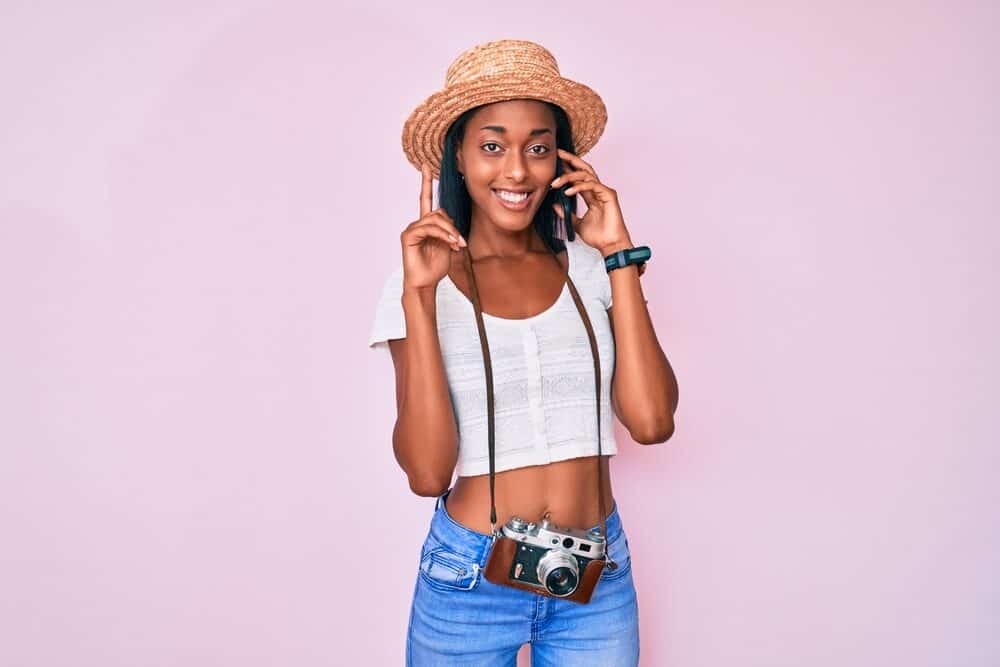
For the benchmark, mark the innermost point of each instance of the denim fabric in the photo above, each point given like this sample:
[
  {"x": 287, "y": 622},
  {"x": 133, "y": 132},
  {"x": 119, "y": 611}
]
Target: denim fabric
[{"x": 458, "y": 617}]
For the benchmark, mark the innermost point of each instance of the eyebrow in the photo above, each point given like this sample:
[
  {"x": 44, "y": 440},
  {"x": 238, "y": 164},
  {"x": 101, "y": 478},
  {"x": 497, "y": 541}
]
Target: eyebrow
[{"x": 503, "y": 130}]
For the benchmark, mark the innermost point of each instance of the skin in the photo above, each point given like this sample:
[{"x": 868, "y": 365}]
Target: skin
[{"x": 517, "y": 277}]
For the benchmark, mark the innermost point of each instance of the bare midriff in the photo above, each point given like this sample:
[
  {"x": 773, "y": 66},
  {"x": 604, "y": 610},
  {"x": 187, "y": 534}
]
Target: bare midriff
[{"x": 566, "y": 489}]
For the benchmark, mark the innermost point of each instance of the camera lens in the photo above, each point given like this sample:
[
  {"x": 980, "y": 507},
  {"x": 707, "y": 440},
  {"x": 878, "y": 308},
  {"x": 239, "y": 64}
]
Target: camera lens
[
  {"x": 561, "y": 581},
  {"x": 559, "y": 573}
]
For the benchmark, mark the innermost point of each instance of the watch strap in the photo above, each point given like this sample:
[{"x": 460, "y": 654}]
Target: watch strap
[{"x": 626, "y": 256}]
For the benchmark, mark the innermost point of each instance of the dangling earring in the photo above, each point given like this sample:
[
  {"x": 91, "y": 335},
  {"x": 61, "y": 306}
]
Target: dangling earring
[{"x": 461, "y": 175}]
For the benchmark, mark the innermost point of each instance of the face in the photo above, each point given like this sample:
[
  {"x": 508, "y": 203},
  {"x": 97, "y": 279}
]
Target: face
[{"x": 508, "y": 158}]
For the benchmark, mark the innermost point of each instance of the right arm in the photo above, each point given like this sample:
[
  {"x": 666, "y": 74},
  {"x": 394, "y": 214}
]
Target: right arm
[{"x": 425, "y": 438}]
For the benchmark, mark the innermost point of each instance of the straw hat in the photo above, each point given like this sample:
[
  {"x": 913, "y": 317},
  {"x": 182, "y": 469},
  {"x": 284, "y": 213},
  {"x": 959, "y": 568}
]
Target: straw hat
[{"x": 492, "y": 72}]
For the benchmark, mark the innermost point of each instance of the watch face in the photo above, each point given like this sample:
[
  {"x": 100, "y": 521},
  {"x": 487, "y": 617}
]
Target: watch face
[{"x": 637, "y": 256}]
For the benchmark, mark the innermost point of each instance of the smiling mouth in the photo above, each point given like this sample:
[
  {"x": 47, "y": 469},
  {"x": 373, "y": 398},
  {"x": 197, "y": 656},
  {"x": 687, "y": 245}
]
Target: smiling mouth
[{"x": 515, "y": 201}]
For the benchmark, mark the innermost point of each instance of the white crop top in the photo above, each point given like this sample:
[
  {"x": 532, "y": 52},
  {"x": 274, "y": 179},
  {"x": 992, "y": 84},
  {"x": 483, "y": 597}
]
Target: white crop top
[{"x": 543, "y": 369}]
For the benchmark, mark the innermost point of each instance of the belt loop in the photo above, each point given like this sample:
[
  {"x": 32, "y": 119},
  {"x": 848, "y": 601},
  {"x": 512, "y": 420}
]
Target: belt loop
[{"x": 440, "y": 499}]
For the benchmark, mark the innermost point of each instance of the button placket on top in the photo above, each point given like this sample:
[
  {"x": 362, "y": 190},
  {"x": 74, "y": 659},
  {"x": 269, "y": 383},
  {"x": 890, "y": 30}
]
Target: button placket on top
[{"x": 533, "y": 367}]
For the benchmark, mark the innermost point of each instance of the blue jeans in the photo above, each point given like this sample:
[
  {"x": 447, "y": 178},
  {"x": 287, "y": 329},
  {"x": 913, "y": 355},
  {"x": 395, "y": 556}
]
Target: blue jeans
[{"x": 458, "y": 617}]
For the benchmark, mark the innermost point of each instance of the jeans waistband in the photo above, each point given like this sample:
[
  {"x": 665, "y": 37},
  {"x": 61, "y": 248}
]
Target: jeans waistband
[{"x": 474, "y": 544}]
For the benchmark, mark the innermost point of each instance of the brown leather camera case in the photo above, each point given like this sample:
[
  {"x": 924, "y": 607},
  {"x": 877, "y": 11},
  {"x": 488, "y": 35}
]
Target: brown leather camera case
[{"x": 501, "y": 559}]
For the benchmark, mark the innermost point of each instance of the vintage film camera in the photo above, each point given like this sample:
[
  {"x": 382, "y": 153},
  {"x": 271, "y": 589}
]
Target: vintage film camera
[{"x": 551, "y": 558}]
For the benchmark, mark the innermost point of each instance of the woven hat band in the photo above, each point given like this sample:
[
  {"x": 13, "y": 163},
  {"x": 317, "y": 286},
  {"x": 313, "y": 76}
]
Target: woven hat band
[{"x": 518, "y": 58}]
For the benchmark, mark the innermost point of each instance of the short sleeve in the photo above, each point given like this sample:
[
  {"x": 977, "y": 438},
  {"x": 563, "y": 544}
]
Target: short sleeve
[
  {"x": 605, "y": 279},
  {"x": 595, "y": 271},
  {"x": 390, "y": 321}
]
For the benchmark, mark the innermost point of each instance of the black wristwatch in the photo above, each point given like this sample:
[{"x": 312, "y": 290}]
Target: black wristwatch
[{"x": 617, "y": 260}]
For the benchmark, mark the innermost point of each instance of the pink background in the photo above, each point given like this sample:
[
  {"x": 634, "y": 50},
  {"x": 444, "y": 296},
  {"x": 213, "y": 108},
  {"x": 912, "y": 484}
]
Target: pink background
[{"x": 199, "y": 203}]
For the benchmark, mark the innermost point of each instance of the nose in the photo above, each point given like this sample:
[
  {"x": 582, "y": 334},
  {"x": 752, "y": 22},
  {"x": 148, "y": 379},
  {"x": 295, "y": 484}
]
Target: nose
[{"x": 515, "y": 168}]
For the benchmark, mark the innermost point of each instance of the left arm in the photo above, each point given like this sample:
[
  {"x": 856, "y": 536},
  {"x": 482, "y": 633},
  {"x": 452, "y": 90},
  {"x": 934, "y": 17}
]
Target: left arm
[{"x": 644, "y": 389}]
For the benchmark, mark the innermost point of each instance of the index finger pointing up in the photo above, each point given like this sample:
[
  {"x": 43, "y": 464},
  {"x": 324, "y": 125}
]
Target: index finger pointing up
[{"x": 426, "y": 190}]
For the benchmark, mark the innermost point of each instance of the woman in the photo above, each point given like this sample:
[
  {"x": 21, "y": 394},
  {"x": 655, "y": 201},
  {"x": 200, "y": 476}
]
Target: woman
[{"x": 502, "y": 137}]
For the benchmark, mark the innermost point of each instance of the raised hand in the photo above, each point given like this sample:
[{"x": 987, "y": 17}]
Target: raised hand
[
  {"x": 428, "y": 241},
  {"x": 602, "y": 226}
]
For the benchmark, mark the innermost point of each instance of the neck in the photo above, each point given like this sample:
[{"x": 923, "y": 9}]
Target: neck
[{"x": 487, "y": 239}]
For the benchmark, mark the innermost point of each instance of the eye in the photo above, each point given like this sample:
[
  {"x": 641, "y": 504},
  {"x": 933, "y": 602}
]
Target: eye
[
  {"x": 491, "y": 143},
  {"x": 545, "y": 149}
]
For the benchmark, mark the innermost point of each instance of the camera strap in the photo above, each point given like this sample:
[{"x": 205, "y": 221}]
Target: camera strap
[{"x": 489, "y": 393}]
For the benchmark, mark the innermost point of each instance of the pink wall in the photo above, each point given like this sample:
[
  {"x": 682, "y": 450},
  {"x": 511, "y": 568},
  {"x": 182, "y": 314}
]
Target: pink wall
[{"x": 199, "y": 202}]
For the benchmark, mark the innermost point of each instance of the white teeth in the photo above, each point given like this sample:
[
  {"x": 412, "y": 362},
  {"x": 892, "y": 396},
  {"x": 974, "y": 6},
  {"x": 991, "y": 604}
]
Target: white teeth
[{"x": 512, "y": 197}]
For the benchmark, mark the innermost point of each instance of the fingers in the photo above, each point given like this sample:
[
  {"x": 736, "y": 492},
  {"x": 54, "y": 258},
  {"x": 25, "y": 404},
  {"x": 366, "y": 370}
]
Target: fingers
[
  {"x": 578, "y": 179},
  {"x": 594, "y": 193},
  {"x": 575, "y": 218},
  {"x": 426, "y": 190},
  {"x": 583, "y": 174},
  {"x": 422, "y": 232},
  {"x": 573, "y": 177},
  {"x": 576, "y": 162},
  {"x": 440, "y": 217},
  {"x": 602, "y": 191},
  {"x": 431, "y": 230},
  {"x": 435, "y": 224}
]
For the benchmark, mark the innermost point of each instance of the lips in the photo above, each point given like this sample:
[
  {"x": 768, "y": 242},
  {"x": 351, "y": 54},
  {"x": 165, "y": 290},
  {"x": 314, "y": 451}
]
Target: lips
[{"x": 511, "y": 200}]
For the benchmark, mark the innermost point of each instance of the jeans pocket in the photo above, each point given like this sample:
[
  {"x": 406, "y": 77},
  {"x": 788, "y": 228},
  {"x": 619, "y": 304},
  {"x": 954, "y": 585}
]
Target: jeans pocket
[
  {"x": 619, "y": 552},
  {"x": 445, "y": 570}
]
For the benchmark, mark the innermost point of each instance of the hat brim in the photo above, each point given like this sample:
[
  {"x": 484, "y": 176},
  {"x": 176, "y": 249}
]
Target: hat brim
[{"x": 424, "y": 130}]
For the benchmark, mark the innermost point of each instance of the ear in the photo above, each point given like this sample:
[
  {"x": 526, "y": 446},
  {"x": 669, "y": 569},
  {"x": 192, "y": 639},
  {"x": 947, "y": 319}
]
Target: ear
[{"x": 459, "y": 161}]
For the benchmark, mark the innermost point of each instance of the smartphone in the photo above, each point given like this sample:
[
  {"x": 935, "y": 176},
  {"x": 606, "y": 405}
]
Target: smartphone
[{"x": 566, "y": 202}]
